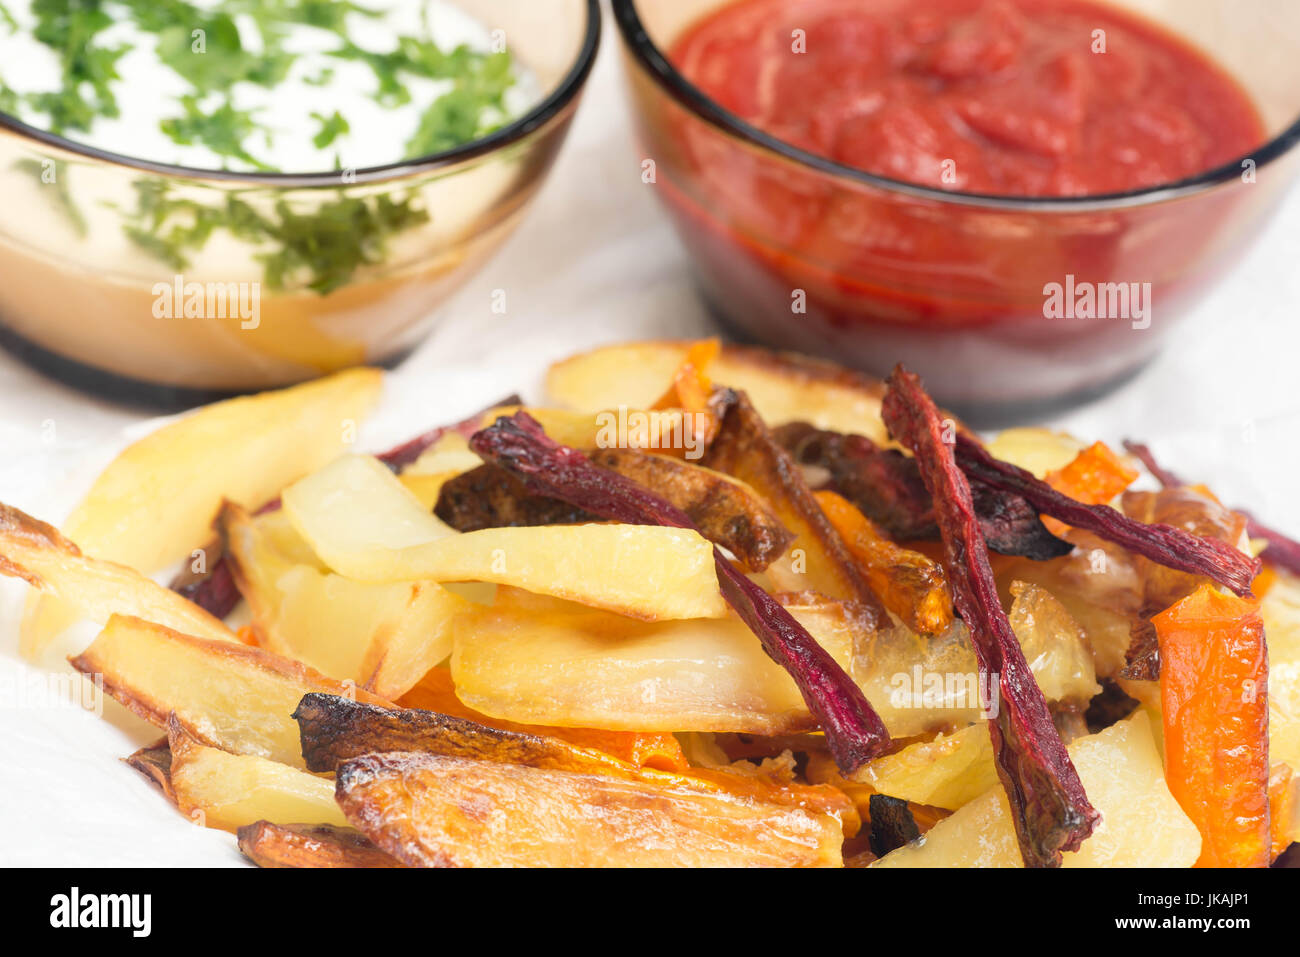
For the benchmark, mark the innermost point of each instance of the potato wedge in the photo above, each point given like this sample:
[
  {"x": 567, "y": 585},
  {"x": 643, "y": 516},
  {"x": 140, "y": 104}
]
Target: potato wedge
[
  {"x": 435, "y": 811},
  {"x": 218, "y": 789},
  {"x": 382, "y": 636},
  {"x": 225, "y": 695},
  {"x": 91, "y": 588},
  {"x": 920, "y": 684},
  {"x": 656, "y": 749},
  {"x": 354, "y": 511},
  {"x": 155, "y": 502},
  {"x": 1121, "y": 771},
  {"x": 534, "y": 660},
  {"x": 310, "y": 845},
  {"x": 335, "y": 730},
  {"x": 948, "y": 771},
  {"x": 365, "y": 525},
  {"x": 154, "y": 763},
  {"x": 783, "y": 386}
]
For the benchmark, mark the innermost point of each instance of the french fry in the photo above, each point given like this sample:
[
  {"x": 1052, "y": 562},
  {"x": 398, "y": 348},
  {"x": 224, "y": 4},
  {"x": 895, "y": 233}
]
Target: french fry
[
  {"x": 382, "y": 636},
  {"x": 1141, "y": 823},
  {"x": 365, "y": 525},
  {"x": 434, "y": 811},
  {"x": 91, "y": 588},
  {"x": 656, "y": 749},
  {"x": 228, "y": 696},
  {"x": 909, "y": 584},
  {"x": 310, "y": 845},
  {"x": 537, "y": 661},
  {"x": 154, "y": 503},
  {"x": 784, "y": 387},
  {"x": 218, "y": 789},
  {"x": 335, "y": 730}
]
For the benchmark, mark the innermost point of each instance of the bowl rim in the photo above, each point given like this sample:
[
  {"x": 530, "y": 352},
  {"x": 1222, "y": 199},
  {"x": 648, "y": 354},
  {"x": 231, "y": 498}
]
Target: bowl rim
[
  {"x": 565, "y": 92},
  {"x": 653, "y": 60}
]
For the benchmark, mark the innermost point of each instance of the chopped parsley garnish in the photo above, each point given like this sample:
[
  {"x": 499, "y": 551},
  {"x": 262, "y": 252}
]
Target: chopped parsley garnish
[
  {"x": 320, "y": 249},
  {"x": 223, "y": 130},
  {"x": 331, "y": 128}
]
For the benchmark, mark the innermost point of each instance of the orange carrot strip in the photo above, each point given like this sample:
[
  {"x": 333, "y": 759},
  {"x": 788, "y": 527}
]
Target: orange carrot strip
[
  {"x": 909, "y": 584},
  {"x": 1214, "y": 691},
  {"x": 1094, "y": 476},
  {"x": 691, "y": 390}
]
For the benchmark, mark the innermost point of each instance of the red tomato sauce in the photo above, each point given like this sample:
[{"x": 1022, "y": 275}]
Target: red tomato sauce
[{"x": 1008, "y": 97}]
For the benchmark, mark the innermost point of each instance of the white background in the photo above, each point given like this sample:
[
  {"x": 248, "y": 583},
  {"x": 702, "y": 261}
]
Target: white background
[{"x": 594, "y": 262}]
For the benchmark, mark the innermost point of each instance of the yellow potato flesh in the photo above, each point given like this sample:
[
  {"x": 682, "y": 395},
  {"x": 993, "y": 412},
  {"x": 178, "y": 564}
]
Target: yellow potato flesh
[
  {"x": 948, "y": 771},
  {"x": 918, "y": 684},
  {"x": 1035, "y": 450},
  {"x": 636, "y": 374},
  {"x": 535, "y": 661},
  {"x": 90, "y": 588},
  {"x": 1142, "y": 825},
  {"x": 222, "y": 790},
  {"x": 382, "y": 636},
  {"x": 361, "y": 520},
  {"x": 155, "y": 502},
  {"x": 229, "y": 696}
]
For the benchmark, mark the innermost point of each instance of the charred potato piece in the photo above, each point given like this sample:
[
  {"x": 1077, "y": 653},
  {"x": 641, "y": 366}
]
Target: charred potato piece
[
  {"x": 310, "y": 845},
  {"x": 435, "y": 811}
]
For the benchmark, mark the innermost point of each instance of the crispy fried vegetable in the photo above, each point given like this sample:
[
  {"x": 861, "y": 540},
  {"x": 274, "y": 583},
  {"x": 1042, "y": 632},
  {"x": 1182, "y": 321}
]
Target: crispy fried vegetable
[
  {"x": 217, "y": 789},
  {"x": 892, "y": 824},
  {"x": 726, "y": 511},
  {"x": 1121, "y": 769},
  {"x": 382, "y": 636},
  {"x": 948, "y": 771},
  {"x": 1094, "y": 476},
  {"x": 310, "y": 845},
  {"x": 1168, "y": 546},
  {"x": 909, "y": 584},
  {"x": 1214, "y": 698},
  {"x": 155, "y": 502},
  {"x": 154, "y": 763},
  {"x": 434, "y": 811},
  {"x": 335, "y": 730},
  {"x": 854, "y": 731},
  {"x": 783, "y": 386},
  {"x": 1051, "y": 812},
  {"x": 692, "y": 391},
  {"x": 537, "y": 661},
  {"x": 365, "y": 525},
  {"x": 887, "y": 487},
  {"x": 1282, "y": 551},
  {"x": 91, "y": 588},
  {"x": 225, "y": 695},
  {"x": 656, "y": 749},
  {"x": 818, "y": 560},
  {"x": 1191, "y": 511}
]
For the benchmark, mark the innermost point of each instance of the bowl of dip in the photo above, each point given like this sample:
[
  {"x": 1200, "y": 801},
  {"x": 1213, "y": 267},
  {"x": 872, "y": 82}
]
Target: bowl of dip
[
  {"x": 1018, "y": 199},
  {"x": 210, "y": 196}
]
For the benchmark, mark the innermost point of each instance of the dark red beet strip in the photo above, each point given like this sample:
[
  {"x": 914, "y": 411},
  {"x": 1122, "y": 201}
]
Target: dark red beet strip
[
  {"x": 1163, "y": 544},
  {"x": 216, "y": 592},
  {"x": 854, "y": 732},
  {"x": 1282, "y": 551},
  {"x": 1050, "y": 810}
]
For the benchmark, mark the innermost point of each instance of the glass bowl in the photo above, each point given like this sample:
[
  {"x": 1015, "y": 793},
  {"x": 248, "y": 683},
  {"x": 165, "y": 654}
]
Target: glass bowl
[
  {"x": 91, "y": 297},
  {"x": 800, "y": 252}
]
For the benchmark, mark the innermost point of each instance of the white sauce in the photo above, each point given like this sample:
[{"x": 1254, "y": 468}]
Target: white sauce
[{"x": 150, "y": 91}]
